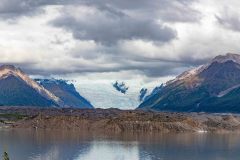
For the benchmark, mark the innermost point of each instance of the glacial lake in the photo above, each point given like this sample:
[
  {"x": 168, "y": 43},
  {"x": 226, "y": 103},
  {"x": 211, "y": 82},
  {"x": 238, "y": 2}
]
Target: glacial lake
[{"x": 59, "y": 145}]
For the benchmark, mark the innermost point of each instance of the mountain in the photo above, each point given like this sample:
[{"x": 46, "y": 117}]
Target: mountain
[
  {"x": 154, "y": 91},
  {"x": 213, "y": 87},
  {"x": 17, "y": 89},
  {"x": 66, "y": 92}
]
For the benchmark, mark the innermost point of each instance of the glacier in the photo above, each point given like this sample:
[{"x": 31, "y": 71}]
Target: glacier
[{"x": 104, "y": 95}]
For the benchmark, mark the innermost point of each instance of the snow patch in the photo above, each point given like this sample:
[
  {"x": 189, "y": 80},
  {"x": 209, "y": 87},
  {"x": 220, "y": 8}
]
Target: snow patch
[
  {"x": 228, "y": 57},
  {"x": 223, "y": 93}
]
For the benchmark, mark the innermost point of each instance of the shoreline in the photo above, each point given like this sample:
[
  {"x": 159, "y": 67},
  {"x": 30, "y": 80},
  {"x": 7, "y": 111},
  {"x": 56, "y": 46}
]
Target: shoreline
[{"x": 116, "y": 121}]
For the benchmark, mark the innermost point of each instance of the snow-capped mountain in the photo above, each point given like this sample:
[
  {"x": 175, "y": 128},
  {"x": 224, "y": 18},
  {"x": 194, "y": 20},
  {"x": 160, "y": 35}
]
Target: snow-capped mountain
[{"x": 213, "y": 87}]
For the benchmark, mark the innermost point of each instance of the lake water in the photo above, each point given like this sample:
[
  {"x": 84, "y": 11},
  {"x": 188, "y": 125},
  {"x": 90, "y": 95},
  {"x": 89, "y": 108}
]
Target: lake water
[{"x": 58, "y": 145}]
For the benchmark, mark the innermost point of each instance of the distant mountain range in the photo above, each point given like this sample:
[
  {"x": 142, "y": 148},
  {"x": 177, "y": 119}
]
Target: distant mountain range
[
  {"x": 18, "y": 89},
  {"x": 213, "y": 87}
]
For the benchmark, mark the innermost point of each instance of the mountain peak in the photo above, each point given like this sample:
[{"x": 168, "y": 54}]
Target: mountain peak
[
  {"x": 7, "y": 71},
  {"x": 212, "y": 87},
  {"x": 9, "y": 67},
  {"x": 227, "y": 57}
]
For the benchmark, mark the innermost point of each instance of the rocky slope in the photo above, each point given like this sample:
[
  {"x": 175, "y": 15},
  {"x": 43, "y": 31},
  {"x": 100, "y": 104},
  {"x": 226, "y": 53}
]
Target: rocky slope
[
  {"x": 66, "y": 92},
  {"x": 17, "y": 89},
  {"x": 114, "y": 120},
  {"x": 214, "y": 87}
]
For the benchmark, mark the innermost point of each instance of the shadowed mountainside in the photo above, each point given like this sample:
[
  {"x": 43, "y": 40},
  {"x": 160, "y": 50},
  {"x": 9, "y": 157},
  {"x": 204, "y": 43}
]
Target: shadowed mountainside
[
  {"x": 66, "y": 92},
  {"x": 17, "y": 89},
  {"x": 214, "y": 87}
]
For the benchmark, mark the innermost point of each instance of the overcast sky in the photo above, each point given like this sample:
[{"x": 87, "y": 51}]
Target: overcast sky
[{"x": 101, "y": 40}]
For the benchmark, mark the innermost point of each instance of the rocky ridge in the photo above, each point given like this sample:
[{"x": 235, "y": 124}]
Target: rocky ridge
[{"x": 114, "y": 120}]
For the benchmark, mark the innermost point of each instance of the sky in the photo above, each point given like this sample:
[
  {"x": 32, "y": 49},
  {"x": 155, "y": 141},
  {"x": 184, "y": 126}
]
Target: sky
[{"x": 100, "y": 41}]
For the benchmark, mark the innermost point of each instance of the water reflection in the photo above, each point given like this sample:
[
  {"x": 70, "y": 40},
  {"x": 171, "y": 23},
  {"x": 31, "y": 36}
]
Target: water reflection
[
  {"x": 59, "y": 145},
  {"x": 111, "y": 151}
]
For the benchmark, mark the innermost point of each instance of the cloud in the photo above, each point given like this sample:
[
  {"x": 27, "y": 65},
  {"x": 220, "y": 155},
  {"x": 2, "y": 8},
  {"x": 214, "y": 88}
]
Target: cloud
[
  {"x": 136, "y": 5},
  {"x": 108, "y": 21},
  {"x": 229, "y": 20},
  {"x": 10, "y": 9},
  {"x": 13, "y": 9},
  {"x": 131, "y": 39},
  {"x": 108, "y": 27}
]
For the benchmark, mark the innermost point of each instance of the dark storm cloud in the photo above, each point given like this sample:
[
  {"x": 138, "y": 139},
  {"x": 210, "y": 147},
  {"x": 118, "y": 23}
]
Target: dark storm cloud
[
  {"x": 113, "y": 28},
  {"x": 175, "y": 10},
  {"x": 229, "y": 21},
  {"x": 126, "y": 20},
  {"x": 114, "y": 24},
  {"x": 158, "y": 70},
  {"x": 157, "y": 67},
  {"x": 168, "y": 11},
  {"x": 151, "y": 67},
  {"x": 11, "y": 9}
]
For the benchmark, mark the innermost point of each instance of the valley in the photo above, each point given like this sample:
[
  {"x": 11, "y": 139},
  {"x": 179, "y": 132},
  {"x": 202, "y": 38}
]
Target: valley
[{"x": 203, "y": 99}]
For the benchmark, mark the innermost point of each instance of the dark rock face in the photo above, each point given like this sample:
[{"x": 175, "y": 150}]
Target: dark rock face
[
  {"x": 142, "y": 93},
  {"x": 214, "y": 87},
  {"x": 121, "y": 87},
  {"x": 220, "y": 76},
  {"x": 17, "y": 89},
  {"x": 15, "y": 92},
  {"x": 154, "y": 91},
  {"x": 66, "y": 92}
]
